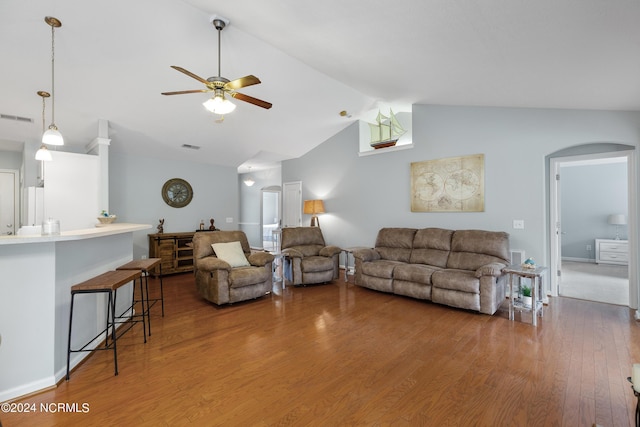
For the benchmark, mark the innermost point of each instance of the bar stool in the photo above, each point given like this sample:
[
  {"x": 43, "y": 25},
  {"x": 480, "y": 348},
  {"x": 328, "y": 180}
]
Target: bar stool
[
  {"x": 108, "y": 283},
  {"x": 146, "y": 265}
]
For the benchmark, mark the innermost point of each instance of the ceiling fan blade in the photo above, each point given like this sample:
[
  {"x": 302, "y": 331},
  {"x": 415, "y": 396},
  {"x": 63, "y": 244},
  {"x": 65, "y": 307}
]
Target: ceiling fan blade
[
  {"x": 181, "y": 92},
  {"x": 251, "y": 100},
  {"x": 242, "y": 82},
  {"x": 190, "y": 74}
]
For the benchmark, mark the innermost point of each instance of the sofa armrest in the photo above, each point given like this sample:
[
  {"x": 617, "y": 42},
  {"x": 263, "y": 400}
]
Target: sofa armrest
[
  {"x": 292, "y": 253},
  {"x": 491, "y": 269},
  {"x": 329, "y": 251},
  {"x": 366, "y": 254},
  {"x": 260, "y": 259},
  {"x": 211, "y": 263}
]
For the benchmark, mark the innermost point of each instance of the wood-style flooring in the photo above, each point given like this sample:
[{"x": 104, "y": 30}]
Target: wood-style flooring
[{"x": 338, "y": 355}]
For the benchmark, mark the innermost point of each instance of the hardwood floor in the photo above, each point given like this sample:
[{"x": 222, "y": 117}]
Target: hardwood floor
[{"x": 338, "y": 354}]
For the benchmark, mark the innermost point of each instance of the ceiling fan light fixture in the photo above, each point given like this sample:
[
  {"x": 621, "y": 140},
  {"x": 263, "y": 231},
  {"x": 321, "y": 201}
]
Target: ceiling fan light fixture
[{"x": 219, "y": 105}]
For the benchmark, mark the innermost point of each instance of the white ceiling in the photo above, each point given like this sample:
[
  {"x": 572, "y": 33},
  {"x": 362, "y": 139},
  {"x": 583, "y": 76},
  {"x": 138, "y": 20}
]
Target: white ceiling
[{"x": 315, "y": 58}]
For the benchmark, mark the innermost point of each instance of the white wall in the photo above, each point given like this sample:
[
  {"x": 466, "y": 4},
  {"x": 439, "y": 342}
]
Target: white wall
[{"x": 71, "y": 190}]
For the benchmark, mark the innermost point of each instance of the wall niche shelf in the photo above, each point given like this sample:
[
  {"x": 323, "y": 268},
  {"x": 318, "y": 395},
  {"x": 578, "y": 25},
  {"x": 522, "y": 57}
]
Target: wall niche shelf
[{"x": 385, "y": 150}]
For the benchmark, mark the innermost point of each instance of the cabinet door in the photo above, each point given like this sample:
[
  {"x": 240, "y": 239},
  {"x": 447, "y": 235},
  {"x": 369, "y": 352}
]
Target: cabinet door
[{"x": 166, "y": 253}]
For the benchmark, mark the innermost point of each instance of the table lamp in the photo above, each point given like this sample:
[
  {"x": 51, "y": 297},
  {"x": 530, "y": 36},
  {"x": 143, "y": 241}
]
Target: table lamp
[
  {"x": 313, "y": 207},
  {"x": 617, "y": 220}
]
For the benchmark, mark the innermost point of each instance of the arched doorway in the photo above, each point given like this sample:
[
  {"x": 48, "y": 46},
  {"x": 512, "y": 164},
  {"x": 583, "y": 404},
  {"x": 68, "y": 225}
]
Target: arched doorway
[{"x": 590, "y": 153}]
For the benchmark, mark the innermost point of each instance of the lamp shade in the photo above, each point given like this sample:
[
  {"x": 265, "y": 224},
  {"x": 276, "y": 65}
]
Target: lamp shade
[
  {"x": 312, "y": 207},
  {"x": 52, "y": 136},
  {"x": 43, "y": 154},
  {"x": 617, "y": 219}
]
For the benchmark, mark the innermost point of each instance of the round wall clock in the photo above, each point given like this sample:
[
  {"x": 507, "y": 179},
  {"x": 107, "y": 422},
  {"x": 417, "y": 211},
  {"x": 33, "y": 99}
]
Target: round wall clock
[{"x": 177, "y": 193}]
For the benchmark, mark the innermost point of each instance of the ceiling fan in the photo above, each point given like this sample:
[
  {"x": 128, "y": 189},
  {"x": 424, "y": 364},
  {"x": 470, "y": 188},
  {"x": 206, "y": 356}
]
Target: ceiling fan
[{"x": 218, "y": 104}]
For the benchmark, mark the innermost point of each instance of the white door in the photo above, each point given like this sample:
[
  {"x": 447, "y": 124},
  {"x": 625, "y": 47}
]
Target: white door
[
  {"x": 8, "y": 203},
  {"x": 292, "y": 204}
]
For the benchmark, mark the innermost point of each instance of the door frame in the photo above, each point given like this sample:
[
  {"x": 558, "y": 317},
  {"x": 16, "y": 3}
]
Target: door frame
[
  {"x": 271, "y": 189},
  {"x": 16, "y": 198},
  {"x": 554, "y": 218}
]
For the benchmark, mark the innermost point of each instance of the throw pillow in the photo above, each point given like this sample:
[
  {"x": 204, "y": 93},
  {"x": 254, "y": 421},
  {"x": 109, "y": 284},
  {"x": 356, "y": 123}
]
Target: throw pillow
[{"x": 232, "y": 253}]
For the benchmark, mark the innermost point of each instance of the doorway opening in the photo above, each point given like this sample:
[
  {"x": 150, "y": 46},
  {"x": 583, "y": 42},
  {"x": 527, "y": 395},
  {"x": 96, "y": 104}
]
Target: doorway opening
[
  {"x": 271, "y": 218},
  {"x": 587, "y": 261}
]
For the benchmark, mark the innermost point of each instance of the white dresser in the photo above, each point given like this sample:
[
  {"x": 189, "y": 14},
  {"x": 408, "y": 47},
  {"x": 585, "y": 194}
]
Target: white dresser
[{"x": 610, "y": 251}]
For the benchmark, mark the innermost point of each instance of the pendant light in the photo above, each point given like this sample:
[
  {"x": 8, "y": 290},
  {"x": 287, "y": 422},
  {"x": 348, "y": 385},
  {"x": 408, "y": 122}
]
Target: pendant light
[
  {"x": 52, "y": 136},
  {"x": 43, "y": 153}
]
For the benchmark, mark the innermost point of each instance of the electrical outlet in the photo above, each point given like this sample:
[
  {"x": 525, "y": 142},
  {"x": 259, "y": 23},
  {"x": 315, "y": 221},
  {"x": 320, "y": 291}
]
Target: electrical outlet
[
  {"x": 589, "y": 247},
  {"x": 143, "y": 257},
  {"x": 229, "y": 219},
  {"x": 518, "y": 224}
]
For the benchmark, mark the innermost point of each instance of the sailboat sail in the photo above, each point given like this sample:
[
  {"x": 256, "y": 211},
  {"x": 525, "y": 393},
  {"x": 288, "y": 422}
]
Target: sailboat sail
[{"x": 386, "y": 131}]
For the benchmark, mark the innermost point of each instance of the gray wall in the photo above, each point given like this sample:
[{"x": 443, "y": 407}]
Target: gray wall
[
  {"x": 135, "y": 185},
  {"x": 363, "y": 194},
  {"x": 589, "y": 194},
  {"x": 10, "y": 160}
]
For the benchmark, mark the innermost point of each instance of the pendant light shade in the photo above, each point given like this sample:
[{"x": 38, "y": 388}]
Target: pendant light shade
[
  {"x": 43, "y": 153},
  {"x": 52, "y": 136}
]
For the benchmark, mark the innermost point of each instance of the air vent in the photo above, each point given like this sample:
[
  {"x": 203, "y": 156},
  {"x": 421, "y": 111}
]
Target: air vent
[
  {"x": 16, "y": 118},
  {"x": 191, "y": 147}
]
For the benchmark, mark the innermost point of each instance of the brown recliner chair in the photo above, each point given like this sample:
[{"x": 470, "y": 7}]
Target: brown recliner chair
[
  {"x": 220, "y": 282},
  {"x": 310, "y": 259}
]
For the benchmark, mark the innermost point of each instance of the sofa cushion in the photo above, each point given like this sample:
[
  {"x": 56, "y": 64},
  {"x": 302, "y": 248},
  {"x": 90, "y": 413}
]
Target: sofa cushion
[
  {"x": 417, "y": 273},
  {"x": 306, "y": 250},
  {"x": 297, "y": 236},
  {"x": 431, "y": 246},
  {"x": 247, "y": 276},
  {"x": 313, "y": 264},
  {"x": 457, "y": 280},
  {"x": 395, "y": 244},
  {"x": 471, "y": 249},
  {"x": 381, "y": 268}
]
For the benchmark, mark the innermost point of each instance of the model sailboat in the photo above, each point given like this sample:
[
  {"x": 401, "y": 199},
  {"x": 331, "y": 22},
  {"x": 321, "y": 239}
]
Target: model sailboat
[{"x": 386, "y": 131}]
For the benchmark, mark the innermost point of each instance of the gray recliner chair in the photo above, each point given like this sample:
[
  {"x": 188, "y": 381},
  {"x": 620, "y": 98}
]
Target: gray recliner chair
[
  {"x": 221, "y": 282},
  {"x": 312, "y": 261}
]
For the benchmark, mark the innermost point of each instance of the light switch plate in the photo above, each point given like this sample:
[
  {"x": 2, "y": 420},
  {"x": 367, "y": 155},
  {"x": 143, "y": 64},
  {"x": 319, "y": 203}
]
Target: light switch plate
[{"x": 518, "y": 224}]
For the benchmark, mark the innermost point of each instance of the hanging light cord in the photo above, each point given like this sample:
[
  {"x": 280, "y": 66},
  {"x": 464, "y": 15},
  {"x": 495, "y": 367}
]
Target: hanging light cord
[
  {"x": 53, "y": 90},
  {"x": 42, "y": 113}
]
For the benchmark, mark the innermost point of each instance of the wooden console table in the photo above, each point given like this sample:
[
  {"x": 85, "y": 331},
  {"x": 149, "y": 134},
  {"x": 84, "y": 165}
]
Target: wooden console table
[{"x": 174, "y": 250}]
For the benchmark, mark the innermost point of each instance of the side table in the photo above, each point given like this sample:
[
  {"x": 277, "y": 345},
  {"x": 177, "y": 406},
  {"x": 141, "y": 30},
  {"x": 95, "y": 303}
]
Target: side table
[
  {"x": 347, "y": 252},
  {"x": 537, "y": 289}
]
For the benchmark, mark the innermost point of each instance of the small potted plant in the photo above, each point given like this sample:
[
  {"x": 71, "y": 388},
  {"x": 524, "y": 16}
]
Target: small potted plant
[{"x": 526, "y": 295}]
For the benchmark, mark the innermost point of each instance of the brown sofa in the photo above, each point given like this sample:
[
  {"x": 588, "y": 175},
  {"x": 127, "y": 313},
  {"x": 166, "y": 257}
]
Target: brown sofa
[
  {"x": 219, "y": 282},
  {"x": 460, "y": 268},
  {"x": 311, "y": 260}
]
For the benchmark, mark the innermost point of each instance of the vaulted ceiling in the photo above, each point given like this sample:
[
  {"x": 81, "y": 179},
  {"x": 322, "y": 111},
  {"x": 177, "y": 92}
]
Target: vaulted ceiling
[{"x": 314, "y": 58}]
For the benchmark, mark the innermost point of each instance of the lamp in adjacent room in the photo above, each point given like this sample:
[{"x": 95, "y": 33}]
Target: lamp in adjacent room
[
  {"x": 617, "y": 220},
  {"x": 43, "y": 153},
  {"x": 314, "y": 207},
  {"x": 52, "y": 136}
]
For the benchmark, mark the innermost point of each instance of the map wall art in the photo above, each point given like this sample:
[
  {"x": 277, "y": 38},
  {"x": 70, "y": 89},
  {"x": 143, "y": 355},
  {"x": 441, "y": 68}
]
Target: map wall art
[{"x": 454, "y": 184}]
